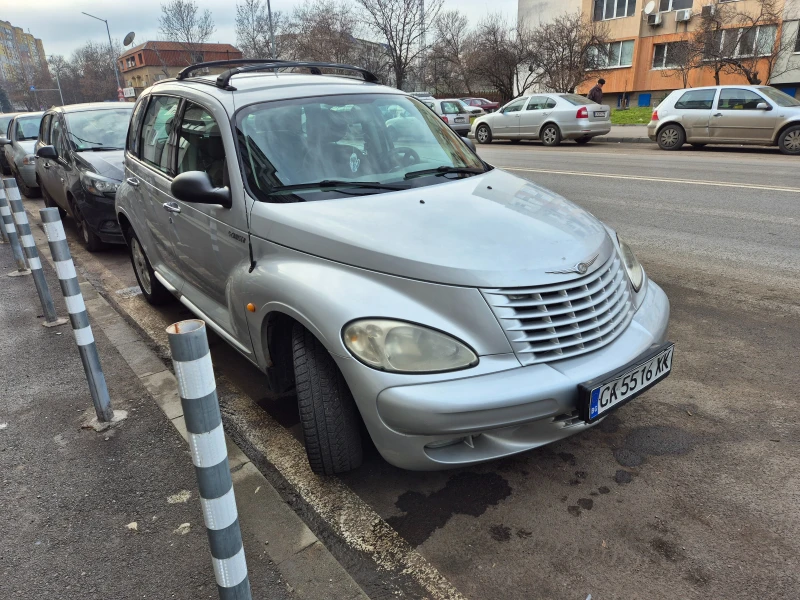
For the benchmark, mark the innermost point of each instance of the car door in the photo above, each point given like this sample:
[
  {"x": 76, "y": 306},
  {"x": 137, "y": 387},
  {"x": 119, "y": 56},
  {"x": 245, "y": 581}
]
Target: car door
[
  {"x": 532, "y": 117},
  {"x": 737, "y": 118},
  {"x": 148, "y": 175},
  {"x": 211, "y": 241},
  {"x": 56, "y": 168},
  {"x": 505, "y": 123},
  {"x": 693, "y": 109}
]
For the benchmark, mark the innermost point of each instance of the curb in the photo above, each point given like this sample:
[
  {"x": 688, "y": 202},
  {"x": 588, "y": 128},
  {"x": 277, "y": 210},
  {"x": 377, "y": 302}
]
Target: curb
[{"x": 623, "y": 140}]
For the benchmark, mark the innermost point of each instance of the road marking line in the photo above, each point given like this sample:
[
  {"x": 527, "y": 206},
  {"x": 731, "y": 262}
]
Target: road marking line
[{"x": 748, "y": 186}]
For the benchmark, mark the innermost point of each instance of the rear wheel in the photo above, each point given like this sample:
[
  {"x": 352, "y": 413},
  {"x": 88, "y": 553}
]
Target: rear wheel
[
  {"x": 152, "y": 289},
  {"x": 671, "y": 137},
  {"x": 551, "y": 135},
  {"x": 789, "y": 140},
  {"x": 483, "y": 134},
  {"x": 328, "y": 413}
]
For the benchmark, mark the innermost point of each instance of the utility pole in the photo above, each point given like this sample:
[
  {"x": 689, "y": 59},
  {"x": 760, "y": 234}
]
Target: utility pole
[
  {"x": 274, "y": 52},
  {"x": 422, "y": 42},
  {"x": 110, "y": 46}
]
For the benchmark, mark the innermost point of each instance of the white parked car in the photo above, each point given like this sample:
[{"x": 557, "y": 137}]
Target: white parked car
[
  {"x": 547, "y": 117},
  {"x": 455, "y": 113}
]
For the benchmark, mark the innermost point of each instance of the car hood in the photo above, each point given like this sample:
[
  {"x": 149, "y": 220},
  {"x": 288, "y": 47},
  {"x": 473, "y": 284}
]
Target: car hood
[
  {"x": 491, "y": 230},
  {"x": 108, "y": 163}
]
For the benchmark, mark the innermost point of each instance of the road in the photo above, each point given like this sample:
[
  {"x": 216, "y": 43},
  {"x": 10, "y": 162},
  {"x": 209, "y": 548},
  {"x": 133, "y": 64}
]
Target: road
[{"x": 690, "y": 491}]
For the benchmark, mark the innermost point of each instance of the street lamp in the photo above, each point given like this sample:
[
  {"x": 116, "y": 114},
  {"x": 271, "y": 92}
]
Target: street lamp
[{"x": 110, "y": 45}]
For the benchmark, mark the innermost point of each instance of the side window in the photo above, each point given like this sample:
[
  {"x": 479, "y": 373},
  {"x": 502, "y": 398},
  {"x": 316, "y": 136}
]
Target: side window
[
  {"x": 696, "y": 100},
  {"x": 736, "y": 99},
  {"x": 537, "y": 103},
  {"x": 133, "y": 128},
  {"x": 44, "y": 129},
  {"x": 515, "y": 106},
  {"x": 200, "y": 146},
  {"x": 550, "y": 103},
  {"x": 158, "y": 123}
]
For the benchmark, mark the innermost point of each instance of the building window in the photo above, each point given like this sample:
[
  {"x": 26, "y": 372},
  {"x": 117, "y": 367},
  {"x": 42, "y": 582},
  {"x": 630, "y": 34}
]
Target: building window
[
  {"x": 141, "y": 62},
  {"x": 743, "y": 42},
  {"x": 668, "y": 5},
  {"x": 613, "y": 9},
  {"x": 670, "y": 56},
  {"x": 615, "y": 54},
  {"x": 130, "y": 62}
]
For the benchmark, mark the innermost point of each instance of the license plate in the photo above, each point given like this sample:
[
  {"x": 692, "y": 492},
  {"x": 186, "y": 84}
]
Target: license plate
[
  {"x": 600, "y": 113},
  {"x": 460, "y": 120},
  {"x": 598, "y": 397}
]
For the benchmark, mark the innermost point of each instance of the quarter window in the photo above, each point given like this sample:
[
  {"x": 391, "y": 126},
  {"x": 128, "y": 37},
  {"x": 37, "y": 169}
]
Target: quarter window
[
  {"x": 613, "y": 9},
  {"x": 158, "y": 123},
  {"x": 200, "y": 146},
  {"x": 736, "y": 99},
  {"x": 696, "y": 100}
]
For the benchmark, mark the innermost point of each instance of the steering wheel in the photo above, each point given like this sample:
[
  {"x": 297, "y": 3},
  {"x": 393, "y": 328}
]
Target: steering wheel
[{"x": 405, "y": 156}]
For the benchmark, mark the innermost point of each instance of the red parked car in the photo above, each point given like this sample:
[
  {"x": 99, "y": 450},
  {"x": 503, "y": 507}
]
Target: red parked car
[{"x": 483, "y": 103}]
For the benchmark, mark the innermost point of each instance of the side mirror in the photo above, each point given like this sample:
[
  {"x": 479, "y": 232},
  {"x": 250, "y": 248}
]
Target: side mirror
[
  {"x": 469, "y": 143},
  {"x": 763, "y": 106},
  {"x": 4, "y": 141},
  {"x": 47, "y": 152},
  {"x": 195, "y": 186}
]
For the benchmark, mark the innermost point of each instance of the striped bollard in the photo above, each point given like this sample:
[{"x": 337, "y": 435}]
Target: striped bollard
[
  {"x": 198, "y": 390},
  {"x": 3, "y": 235},
  {"x": 68, "y": 278},
  {"x": 32, "y": 253},
  {"x": 11, "y": 234}
]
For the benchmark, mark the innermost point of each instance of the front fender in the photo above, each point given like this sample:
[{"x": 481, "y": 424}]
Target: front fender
[{"x": 324, "y": 296}]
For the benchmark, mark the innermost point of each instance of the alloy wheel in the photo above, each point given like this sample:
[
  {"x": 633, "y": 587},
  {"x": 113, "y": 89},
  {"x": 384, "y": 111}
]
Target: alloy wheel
[
  {"x": 140, "y": 264},
  {"x": 792, "y": 141},
  {"x": 482, "y": 134},
  {"x": 549, "y": 136}
]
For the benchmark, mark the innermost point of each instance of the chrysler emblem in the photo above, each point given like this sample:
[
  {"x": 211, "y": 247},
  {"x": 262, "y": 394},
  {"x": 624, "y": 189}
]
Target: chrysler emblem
[{"x": 580, "y": 268}]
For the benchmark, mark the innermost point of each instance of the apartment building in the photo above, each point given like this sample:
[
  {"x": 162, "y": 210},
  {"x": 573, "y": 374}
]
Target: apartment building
[{"x": 21, "y": 55}]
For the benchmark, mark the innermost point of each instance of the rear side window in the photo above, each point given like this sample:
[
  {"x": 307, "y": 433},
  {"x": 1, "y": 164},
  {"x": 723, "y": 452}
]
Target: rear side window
[
  {"x": 156, "y": 129},
  {"x": 537, "y": 103},
  {"x": 696, "y": 100},
  {"x": 136, "y": 121},
  {"x": 44, "y": 129},
  {"x": 738, "y": 99}
]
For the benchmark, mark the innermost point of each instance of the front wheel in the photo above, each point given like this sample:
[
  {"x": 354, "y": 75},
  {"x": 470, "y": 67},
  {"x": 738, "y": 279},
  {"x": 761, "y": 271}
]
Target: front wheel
[
  {"x": 152, "y": 289},
  {"x": 671, "y": 137},
  {"x": 789, "y": 141},
  {"x": 26, "y": 190},
  {"x": 328, "y": 413},
  {"x": 91, "y": 241},
  {"x": 551, "y": 135},
  {"x": 483, "y": 134}
]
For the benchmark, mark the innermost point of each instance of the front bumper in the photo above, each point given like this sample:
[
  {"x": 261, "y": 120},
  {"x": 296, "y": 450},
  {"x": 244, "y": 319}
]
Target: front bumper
[
  {"x": 496, "y": 414},
  {"x": 99, "y": 213},
  {"x": 582, "y": 128}
]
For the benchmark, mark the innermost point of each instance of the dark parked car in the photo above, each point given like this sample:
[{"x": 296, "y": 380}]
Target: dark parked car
[
  {"x": 79, "y": 166},
  {"x": 487, "y": 105},
  {"x": 5, "y": 119}
]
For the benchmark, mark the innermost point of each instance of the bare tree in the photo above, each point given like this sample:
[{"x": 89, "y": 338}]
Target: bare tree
[
  {"x": 680, "y": 59},
  {"x": 402, "y": 27},
  {"x": 447, "y": 71},
  {"x": 324, "y": 30},
  {"x": 181, "y": 21},
  {"x": 738, "y": 41},
  {"x": 255, "y": 29},
  {"x": 568, "y": 51}
]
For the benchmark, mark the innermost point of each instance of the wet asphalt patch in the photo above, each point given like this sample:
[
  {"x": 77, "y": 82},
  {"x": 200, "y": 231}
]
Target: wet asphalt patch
[{"x": 658, "y": 440}]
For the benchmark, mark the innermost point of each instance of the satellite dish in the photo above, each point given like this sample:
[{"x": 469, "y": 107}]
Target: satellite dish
[
  {"x": 129, "y": 38},
  {"x": 648, "y": 9}
]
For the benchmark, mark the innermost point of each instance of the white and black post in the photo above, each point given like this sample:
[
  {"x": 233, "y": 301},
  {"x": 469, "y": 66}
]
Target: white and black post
[
  {"x": 68, "y": 278},
  {"x": 198, "y": 390},
  {"x": 32, "y": 253},
  {"x": 11, "y": 233}
]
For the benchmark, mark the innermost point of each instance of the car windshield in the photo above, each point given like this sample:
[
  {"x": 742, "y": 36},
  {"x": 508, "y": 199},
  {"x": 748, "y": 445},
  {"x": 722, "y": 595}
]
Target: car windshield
[
  {"x": 779, "y": 97},
  {"x": 94, "y": 129},
  {"x": 354, "y": 144},
  {"x": 577, "y": 100},
  {"x": 28, "y": 127}
]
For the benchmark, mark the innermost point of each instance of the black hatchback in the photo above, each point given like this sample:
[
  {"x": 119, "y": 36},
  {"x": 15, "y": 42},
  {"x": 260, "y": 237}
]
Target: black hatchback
[{"x": 79, "y": 166}]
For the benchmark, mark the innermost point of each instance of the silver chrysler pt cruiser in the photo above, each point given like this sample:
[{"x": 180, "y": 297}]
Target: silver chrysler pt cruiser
[{"x": 343, "y": 239}]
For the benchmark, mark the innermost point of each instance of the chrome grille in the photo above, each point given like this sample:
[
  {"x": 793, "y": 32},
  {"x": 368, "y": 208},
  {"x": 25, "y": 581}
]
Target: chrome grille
[{"x": 551, "y": 322}]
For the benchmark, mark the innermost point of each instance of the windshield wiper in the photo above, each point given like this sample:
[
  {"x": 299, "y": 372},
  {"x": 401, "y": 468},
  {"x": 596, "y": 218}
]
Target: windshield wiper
[
  {"x": 445, "y": 170},
  {"x": 334, "y": 184},
  {"x": 97, "y": 148}
]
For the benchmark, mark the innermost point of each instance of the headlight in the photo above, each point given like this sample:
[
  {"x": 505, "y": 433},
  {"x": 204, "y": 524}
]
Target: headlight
[
  {"x": 98, "y": 185},
  {"x": 632, "y": 265},
  {"x": 29, "y": 159},
  {"x": 406, "y": 348}
]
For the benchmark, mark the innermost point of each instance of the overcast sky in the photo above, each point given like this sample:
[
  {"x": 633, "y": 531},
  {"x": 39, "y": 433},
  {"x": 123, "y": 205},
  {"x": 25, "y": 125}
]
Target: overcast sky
[{"x": 62, "y": 27}]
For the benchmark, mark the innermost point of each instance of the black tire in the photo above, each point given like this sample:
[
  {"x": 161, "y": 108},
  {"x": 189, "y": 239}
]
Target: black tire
[
  {"x": 483, "y": 134},
  {"x": 89, "y": 238},
  {"x": 583, "y": 141},
  {"x": 25, "y": 190},
  {"x": 671, "y": 137},
  {"x": 152, "y": 289},
  {"x": 328, "y": 413},
  {"x": 789, "y": 140},
  {"x": 698, "y": 145},
  {"x": 550, "y": 135}
]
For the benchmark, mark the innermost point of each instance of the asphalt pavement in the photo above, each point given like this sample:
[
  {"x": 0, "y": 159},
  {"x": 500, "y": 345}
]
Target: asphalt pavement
[{"x": 690, "y": 491}]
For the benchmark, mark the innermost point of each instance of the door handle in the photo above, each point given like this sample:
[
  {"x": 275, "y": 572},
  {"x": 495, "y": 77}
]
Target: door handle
[
  {"x": 717, "y": 115},
  {"x": 133, "y": 181},
  {"x": 171, "y": 207}
]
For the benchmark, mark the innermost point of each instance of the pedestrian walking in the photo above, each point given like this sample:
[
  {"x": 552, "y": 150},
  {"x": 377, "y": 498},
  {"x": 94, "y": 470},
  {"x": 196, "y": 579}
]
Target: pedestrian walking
[{"x": 596, "y": 93}]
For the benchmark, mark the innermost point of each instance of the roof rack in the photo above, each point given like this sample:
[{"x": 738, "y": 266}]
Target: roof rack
[{"x": 258, "y": 64}]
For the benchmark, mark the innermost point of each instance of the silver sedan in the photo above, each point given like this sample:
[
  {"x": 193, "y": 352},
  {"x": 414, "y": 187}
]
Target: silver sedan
[{"x": 547, "y": 117}]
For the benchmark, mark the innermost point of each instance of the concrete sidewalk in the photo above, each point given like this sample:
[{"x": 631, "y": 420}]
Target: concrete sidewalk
[{"x": 116, "y": 514}]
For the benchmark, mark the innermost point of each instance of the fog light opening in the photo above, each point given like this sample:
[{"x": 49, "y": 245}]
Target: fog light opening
[{"x": 468, "y": 440}]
